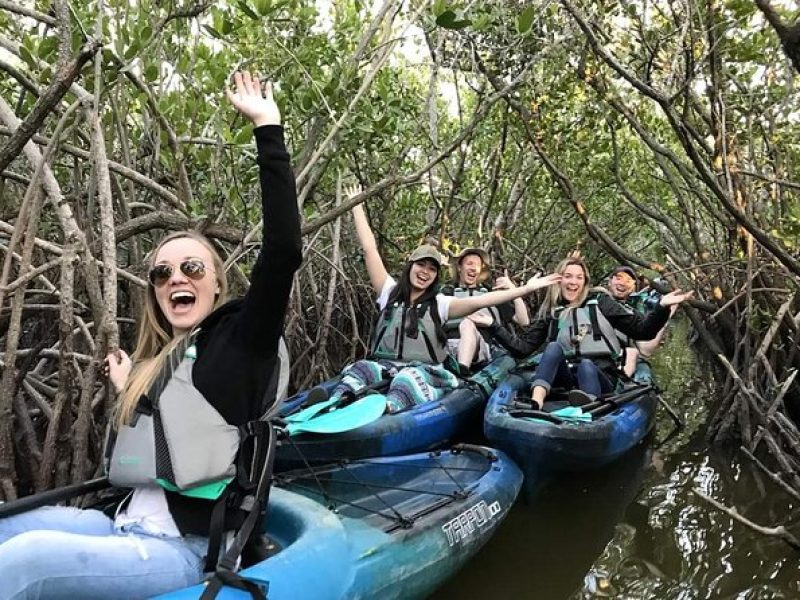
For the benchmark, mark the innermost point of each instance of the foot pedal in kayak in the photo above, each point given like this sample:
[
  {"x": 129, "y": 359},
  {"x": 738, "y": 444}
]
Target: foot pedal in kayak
[{"x": 580, "y": 398}]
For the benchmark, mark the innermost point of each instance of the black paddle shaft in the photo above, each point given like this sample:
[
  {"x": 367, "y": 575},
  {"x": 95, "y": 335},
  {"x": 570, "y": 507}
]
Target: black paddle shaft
[{"x": 54, "y": 496}]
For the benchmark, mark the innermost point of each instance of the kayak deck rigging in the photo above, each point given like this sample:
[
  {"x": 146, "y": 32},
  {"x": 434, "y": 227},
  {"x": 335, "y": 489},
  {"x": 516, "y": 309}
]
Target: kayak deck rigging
[{"x": 411, "y": 491}]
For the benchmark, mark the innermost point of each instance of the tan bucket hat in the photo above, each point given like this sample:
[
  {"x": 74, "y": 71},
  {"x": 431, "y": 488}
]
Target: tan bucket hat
[{"x": 456, "y": 260}]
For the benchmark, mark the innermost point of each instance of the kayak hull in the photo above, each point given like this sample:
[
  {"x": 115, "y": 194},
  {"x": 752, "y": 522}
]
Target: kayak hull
[
  {"x": 423, "y": 427},
  {"x": 330, "y": 554},
  {"x": 542, "y": 447}
]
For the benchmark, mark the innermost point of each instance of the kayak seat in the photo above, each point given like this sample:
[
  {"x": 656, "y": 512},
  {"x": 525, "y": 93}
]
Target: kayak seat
[{"x": 259, "y": 548}]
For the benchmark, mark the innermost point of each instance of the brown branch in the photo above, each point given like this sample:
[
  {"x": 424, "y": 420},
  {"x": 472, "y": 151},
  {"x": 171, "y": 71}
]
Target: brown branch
[
  {"x": 789, "y": 35},
  {"x": 126, "y": 172},
  {"x": 780, "y": 531},
  {"x": 684, "y": 135},
  {"x": 415, "y": 176},
  {"x": 63, "y": 78},
  {"x": 57, "y": 250},
  {"x": 18, "y": 9},
  {"x": 174, "y": 221}
]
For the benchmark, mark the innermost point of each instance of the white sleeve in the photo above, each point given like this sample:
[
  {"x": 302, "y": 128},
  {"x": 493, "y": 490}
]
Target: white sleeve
[
  {"x": 387, "y": 288},
  {"x": 443, "y": 304}
]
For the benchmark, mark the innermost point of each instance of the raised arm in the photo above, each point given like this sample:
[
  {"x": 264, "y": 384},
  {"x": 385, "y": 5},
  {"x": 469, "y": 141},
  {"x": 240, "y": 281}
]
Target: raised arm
[
  {"x": 262, "y": 315},
  {"x": 460, "y": 307},
  {"x": 521, "y": 316},
  {"x": 377, "y": 272},
  {"x": 636, "y": 326}
]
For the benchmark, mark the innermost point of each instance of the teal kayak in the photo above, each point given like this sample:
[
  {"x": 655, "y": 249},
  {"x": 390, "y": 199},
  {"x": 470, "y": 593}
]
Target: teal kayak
[{"x": 379, "y": 528}]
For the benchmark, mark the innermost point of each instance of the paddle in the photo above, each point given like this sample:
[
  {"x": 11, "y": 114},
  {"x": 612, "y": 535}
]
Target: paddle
[
  {"x": 355, "y": 415},
  {"x": 317, "y": 406},
  {"x": 54, "y": 496},
  {"x": 605, "y": 406}
]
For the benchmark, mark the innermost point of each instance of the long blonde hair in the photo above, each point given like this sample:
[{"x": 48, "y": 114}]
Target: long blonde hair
[
  {"x": 552, "y": 297},
  {"x": 155, "y": 339}
]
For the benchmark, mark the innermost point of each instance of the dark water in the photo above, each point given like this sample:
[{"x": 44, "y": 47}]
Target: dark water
[{"x": 635, "y": 529}]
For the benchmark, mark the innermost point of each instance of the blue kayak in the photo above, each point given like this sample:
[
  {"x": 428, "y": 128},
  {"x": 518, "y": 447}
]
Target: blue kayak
[
  {"x": 575, "y": 443},
  {"x": 424, "y": 427},
  {"x": 383, "y": 528}
]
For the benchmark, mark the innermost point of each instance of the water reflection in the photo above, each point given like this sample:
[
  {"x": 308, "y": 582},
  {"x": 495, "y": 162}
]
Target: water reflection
[{"x": 635, "y": 530}]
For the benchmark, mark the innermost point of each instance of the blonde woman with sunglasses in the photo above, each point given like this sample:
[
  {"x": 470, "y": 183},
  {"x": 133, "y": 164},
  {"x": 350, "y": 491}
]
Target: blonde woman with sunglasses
[{"x": 158, "y": 539}]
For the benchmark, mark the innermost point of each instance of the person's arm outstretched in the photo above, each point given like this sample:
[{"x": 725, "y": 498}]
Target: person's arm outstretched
[
  {"x": 460, "y": 307},
  {"x": 375, "y": 267}
]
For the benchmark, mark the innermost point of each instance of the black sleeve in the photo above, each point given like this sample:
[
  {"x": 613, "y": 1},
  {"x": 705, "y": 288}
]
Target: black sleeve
[
  {"x": 633, "y": 324},
  {"x": 506, "y": 312},
  {"x": 262, "y": 317},
  {"x": 531, "y": 338}
]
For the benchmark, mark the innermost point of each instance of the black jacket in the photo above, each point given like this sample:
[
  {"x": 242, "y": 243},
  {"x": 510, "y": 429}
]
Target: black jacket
[
  {"x": 238, "y": 343},
  {"x": 634, "y": 325}
]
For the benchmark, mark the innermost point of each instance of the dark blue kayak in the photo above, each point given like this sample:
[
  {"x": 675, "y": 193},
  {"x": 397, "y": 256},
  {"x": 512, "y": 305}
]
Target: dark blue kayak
[
  {"x": 383, "y": 528},
  {"x": 540, "y": 446},
  {"x": 424, "y": 427}
]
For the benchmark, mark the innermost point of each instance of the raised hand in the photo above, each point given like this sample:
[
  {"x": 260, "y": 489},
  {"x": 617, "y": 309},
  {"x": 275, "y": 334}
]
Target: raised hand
[
  {"x": 249, "y": 100},
  {"x": 352, "y": 190},
  {"x": 504, "y": 282},
  {"x": 675, "y": 297},
  {"x": 538, "y": 282}
]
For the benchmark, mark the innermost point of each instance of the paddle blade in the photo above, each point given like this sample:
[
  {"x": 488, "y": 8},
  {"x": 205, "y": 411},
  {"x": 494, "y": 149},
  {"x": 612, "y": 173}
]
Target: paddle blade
[
  {"x": 572, "y": 413},
  {"x": 311, "y": 411},
  {"x": 355, "y": 415}
]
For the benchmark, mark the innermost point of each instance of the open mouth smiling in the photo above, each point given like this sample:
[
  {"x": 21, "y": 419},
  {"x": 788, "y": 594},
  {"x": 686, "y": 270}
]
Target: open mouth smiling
[{"x": 182, "y": 300}]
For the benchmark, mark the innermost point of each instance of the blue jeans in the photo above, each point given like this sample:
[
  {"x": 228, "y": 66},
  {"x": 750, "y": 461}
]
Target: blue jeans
[
  {"x": 62, "y": 552},
  {"x": 554, "y": 369}
]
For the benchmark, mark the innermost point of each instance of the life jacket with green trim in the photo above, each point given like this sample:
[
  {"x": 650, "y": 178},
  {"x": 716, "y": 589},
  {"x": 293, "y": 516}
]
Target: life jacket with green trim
[
  {"x": 451, "y": 325},
  {"x": 393, "y": 342},
  {"x": 177, "y": 440},
  {"x": 585, "y": 332}
]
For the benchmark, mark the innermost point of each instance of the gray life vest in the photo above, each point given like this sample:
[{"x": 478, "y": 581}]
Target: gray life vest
[
  {"x": 178, "y": 441},
  {"x": 451, "y": 325},
  {"x": 392, "y": 341},
  {"x": 585, "y": 332}
]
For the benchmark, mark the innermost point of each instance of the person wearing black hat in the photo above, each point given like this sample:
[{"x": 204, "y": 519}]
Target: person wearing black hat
[
  {"x": 622, "y": 285},
  {"x": 409, "y": 344}
]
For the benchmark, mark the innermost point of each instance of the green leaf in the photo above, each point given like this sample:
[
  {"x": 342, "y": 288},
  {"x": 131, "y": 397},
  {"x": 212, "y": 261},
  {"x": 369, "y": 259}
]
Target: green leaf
[
  {"x": 448, "y": 20},
  {"x": 243, "y": 136},
  {"x": 47, "y": 47},
  {"x": 214, "y": 33},
  {"x": 132, "y": 50},
  {"x": 262, "y": 7},
  {"x": 525, "y": 20},
  {"x": 151, "y": 73},
  {"x": 227, "y": 26},
  {"x": 481, "y": 22},
  {"x": 246, "y": 9},
  {"x": 26, "y": 56},
  {"x": 439, "y": 7}
]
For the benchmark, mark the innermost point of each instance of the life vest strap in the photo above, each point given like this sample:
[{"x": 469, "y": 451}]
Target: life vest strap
[{"x": 265, "y": 438}]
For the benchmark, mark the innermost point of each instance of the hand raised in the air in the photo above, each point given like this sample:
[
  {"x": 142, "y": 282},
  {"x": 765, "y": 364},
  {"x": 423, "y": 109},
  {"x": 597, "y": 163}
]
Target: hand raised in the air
[
  {"x": 675, "y": 297},
  {"x": 248, "y": 99},
  {"x": 538, "y": 282}
]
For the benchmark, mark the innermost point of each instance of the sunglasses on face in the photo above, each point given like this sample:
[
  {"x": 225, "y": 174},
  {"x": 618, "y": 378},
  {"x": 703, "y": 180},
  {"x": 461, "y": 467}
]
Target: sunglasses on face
[{"x": 193, "y": 269}]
